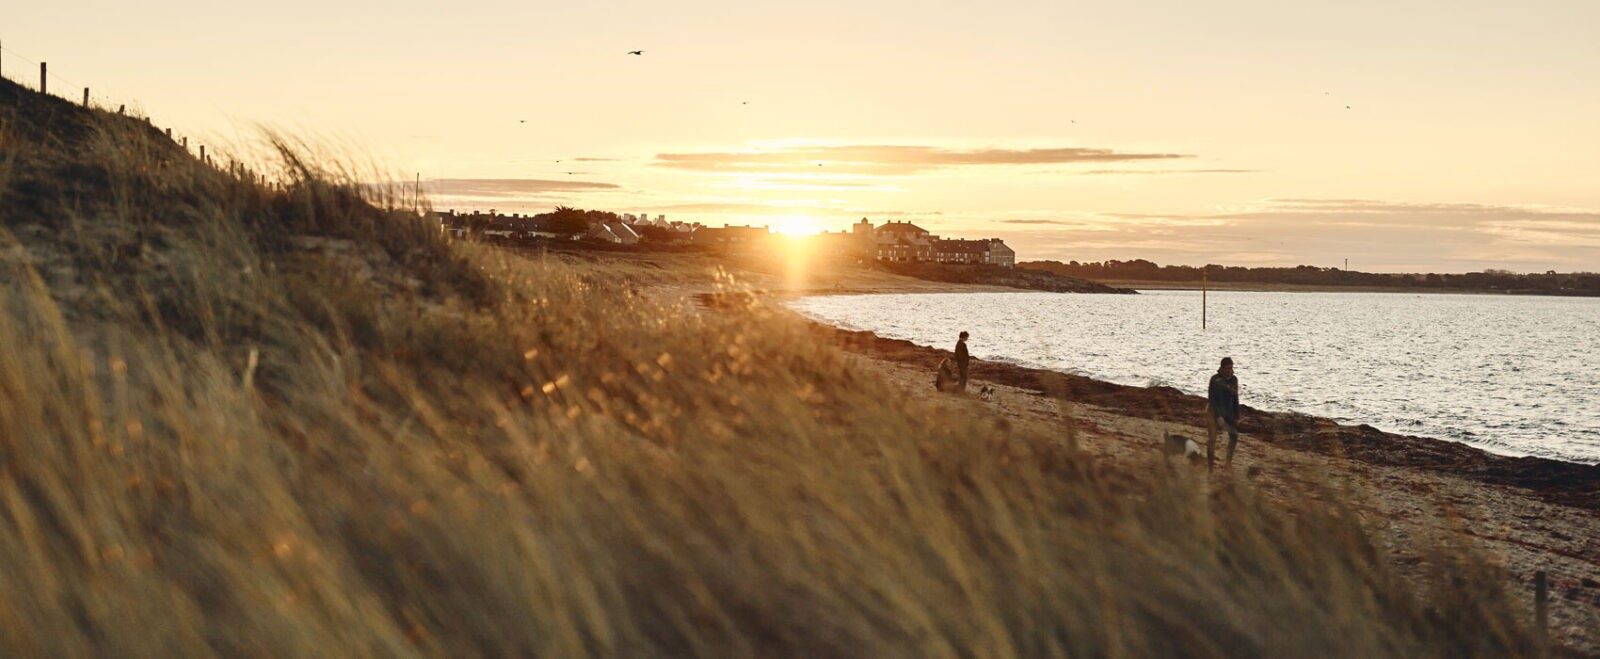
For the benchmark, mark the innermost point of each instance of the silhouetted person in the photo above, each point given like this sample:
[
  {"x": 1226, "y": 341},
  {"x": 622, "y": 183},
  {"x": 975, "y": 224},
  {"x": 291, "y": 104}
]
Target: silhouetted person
[
  {"x": 1222, "y": 410},
  {"x": 961, "y": 359}
]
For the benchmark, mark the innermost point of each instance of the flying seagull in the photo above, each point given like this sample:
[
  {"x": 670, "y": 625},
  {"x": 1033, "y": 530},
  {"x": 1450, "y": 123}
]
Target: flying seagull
[
  {"x": 1346, "y": 107},
  {"x": 635, "y": 52}
]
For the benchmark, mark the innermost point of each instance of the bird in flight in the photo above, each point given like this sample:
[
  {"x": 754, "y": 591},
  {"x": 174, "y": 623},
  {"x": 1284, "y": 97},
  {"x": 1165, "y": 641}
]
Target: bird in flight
[
  {"x": 1346, "y": 107},
  {"x": 635, "y": 52},
  {"x": 522, "y": 121}
]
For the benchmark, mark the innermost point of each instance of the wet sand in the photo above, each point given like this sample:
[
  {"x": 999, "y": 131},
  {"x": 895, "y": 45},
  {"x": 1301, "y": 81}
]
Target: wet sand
[{"x": 1526, "y": 514}]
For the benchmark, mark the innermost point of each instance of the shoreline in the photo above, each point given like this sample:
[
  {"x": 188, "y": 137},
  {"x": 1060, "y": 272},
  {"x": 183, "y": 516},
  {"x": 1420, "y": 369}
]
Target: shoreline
[
  {"x": 1524, "y": 514},
  {"x": 1564, "y": 483},
  {"x": 1254, "y": 287}
]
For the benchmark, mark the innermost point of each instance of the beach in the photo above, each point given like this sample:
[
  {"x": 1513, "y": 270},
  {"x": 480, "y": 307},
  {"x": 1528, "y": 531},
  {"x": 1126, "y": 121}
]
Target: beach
[{"x": 1523, "y": 514}]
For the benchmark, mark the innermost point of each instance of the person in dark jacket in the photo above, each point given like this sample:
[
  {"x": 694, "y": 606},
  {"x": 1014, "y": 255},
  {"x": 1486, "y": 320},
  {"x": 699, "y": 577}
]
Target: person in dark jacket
[
  {"x": 1222, "y": 410},
  {"x": 962, "y": 358}
]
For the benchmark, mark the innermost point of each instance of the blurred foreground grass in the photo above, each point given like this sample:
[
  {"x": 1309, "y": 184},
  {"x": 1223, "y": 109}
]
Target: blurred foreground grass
[{"x": 298, "y": 422}]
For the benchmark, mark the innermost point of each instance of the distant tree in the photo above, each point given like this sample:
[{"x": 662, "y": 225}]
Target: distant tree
[
  {"x": 654, "y": 234},
  {"x": 568, "y": 220}
]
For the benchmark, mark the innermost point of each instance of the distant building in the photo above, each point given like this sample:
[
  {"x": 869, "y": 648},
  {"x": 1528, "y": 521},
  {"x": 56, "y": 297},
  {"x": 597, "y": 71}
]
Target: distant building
[
  {"x": 617, "y": 233},
  {"x": 729, "y": 235},
  {"x": 904, "y": 242},
  {"x": 1001, "y": 255}
]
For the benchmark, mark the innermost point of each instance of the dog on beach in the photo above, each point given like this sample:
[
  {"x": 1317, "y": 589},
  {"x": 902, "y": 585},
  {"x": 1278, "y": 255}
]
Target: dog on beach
[
  {"x": 945, "y": 379},
  {"x": 1178, "y": 445}
]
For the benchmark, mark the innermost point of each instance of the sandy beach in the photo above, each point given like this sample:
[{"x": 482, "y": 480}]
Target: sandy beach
[{"x": 1525, "y": 514}]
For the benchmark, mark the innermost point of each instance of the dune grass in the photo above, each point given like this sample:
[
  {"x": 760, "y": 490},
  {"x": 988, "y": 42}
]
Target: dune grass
[{"x": 296, "y": 421}]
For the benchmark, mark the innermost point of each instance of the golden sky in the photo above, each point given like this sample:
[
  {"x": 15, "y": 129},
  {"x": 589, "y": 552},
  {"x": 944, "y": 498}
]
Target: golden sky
[{"x": 1403, "y": 135}]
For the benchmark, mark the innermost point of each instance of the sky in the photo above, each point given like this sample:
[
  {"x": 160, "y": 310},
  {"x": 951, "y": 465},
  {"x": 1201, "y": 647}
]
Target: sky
[{"x": 1403, "y": 135}]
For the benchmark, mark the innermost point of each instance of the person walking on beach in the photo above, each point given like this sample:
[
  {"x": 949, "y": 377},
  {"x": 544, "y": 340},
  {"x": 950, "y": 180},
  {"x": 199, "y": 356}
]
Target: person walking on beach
[
  {"x": 961, "y": 360},
  {"x": 1222, "y": 411}
]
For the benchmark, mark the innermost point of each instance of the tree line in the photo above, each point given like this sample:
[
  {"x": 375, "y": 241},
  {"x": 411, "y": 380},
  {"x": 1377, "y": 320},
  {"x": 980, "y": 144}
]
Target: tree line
[{"x": 1548, "y": 283}]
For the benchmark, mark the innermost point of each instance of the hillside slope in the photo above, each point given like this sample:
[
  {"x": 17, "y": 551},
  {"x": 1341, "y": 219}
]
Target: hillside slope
[{"x": 293, "y": 421}]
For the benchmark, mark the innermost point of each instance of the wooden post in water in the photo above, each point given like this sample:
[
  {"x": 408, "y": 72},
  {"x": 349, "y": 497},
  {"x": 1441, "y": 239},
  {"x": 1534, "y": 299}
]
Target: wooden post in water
[
  {"x": 1541, "y": 608},
  {"x": 1203, "y": 287}
]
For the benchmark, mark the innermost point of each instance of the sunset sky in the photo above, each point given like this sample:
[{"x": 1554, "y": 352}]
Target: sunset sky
[{"x": 1176, "y": 131}]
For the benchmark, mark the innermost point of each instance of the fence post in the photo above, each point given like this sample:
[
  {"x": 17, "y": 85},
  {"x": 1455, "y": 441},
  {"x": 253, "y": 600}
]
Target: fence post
[
  {"x": 186, "y": 143},
  {"x": 1541, "y": 608},
  {"x": 202, "y": 153},
  {"x": 85, "y": 97},
  {"x": 44, "y": 87},
  {"x": 169, "y": 133}
]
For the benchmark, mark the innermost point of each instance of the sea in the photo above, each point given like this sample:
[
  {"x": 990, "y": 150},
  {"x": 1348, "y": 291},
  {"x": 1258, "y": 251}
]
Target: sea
[{"x": 1513, "y": 375}]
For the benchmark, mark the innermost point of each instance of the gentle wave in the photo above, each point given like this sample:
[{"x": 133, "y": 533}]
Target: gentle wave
[{"x": 1511, "y": 375}]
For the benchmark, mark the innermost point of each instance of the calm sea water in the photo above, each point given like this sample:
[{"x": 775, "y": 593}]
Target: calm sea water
[{"x": 1511, "y": 375}]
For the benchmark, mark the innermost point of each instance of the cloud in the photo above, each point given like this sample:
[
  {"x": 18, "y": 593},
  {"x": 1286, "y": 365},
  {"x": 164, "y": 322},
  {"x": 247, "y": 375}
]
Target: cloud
[
  {"x": 803, "y": 182},
  {"x": 890, "y": 159},
  {"x": 1377, "y": 235},
  {"x": 511, "y": 187},
  {"x": 836, "y": 214},
  {"x": 1120, "y": 172},
  {"x": 1027, "y": 221},
  {"x": 597, "y": 159}
]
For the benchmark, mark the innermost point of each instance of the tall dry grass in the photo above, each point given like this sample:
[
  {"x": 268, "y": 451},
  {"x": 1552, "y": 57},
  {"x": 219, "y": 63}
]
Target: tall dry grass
[{"x": 242, "y": 420}]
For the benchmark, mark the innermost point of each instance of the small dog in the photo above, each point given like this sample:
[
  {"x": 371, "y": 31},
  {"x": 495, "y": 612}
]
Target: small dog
[
  {"x": 945, "y": 378},
  {"x": 1174, "y": 445}
]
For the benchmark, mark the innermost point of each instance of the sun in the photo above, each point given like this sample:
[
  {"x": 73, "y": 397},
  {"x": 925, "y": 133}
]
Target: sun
[{"x": 795, "y": 225}]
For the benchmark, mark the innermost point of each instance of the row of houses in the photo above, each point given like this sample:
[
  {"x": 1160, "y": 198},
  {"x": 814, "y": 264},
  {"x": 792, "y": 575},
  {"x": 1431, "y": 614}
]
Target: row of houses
[
  {"x": 896, "y": 242},
  {"x": 904, "y": 242},
  {"x": 628, "y": 229}
]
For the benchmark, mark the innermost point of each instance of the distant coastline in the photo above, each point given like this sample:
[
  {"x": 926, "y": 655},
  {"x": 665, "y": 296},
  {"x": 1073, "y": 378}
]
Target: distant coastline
[
  {"x": 1264, "y": 287},
  {"x": 1142, "y": 274}
]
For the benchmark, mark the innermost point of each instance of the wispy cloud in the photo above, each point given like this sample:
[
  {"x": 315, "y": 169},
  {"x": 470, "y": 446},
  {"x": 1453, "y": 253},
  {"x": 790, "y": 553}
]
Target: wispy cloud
[
  {"x": 1159, "y": 172},
  {"x": 756, "y": 208},
  {"x": 891, "y": 159},
  {"x": 511, "y": 187},
  {"x": 1373, "y": 234}
]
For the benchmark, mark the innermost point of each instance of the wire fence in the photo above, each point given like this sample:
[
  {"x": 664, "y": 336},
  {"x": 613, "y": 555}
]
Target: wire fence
[{"x": 36, "y": 74}]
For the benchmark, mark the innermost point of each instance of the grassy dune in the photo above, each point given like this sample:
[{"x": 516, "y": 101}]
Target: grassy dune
[{"x": 298, "y": 422}]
